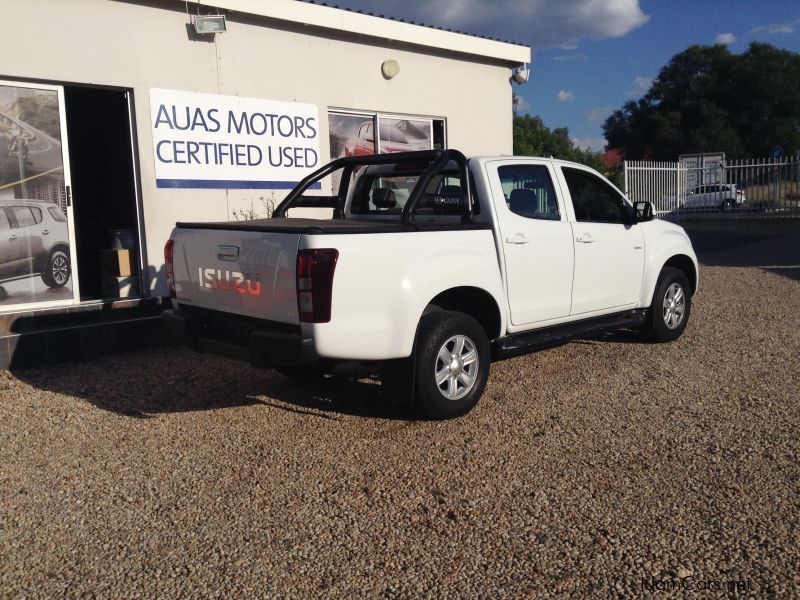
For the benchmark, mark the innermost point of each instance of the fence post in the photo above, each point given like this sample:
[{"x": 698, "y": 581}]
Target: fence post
[{"x": 625, "y": 175}]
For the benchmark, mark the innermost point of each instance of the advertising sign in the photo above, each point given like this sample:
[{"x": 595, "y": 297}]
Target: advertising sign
[
  {"x": 702, "y": 169},
  {"x": 215, "y": 141}
]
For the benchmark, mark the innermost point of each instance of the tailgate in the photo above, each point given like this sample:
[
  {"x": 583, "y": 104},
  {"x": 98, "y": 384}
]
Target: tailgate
[{"x": 248, "y": 273}]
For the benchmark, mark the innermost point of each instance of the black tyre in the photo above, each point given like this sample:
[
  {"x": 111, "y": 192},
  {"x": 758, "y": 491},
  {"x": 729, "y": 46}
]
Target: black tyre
[
  {"x": 672, "y": 303},
  {"x": 58, "y": 269},
  {"x": 728, "y": 206},
  {"x": 451, "y": 364}
]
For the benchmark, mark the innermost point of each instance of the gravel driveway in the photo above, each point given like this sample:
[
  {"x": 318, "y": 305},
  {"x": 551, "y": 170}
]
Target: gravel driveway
[{"x": 606, "y": 466}]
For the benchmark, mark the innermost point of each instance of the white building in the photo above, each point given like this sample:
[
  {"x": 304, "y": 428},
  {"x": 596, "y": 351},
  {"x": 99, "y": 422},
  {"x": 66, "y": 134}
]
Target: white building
[{"x": 118, "y": 115}]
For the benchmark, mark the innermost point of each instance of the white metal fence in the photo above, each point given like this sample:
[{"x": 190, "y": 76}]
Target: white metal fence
[{"x": 735, "y": 187}]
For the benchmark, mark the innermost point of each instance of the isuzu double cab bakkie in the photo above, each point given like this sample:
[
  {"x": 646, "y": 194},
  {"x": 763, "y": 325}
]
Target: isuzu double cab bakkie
[{"x": 432, "y": 264}]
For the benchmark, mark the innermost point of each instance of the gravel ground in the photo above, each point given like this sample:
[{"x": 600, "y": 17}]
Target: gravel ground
[{"x": 604, "y": 466}]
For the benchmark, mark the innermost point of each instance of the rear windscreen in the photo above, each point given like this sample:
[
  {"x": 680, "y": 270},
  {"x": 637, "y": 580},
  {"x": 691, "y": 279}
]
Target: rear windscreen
[{"x": 388, "y": 193}]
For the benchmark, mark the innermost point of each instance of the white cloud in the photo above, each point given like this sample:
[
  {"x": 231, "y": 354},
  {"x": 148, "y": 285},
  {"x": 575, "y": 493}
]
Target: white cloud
[
  {"x": 593, "y": 144},
  {"x": 522, "y": 104},
  {"x": 568, "y": 46},
  {"x": 774, "y": 28},
  {"x": 570, "y": 57},
  {"x": 725, "y": 39},
  {"x": 640, "y": 85},
  {"x": 538, "y": 23},
  {"x": 598, "y": 114},
  {"x": 565, "y": 96}
]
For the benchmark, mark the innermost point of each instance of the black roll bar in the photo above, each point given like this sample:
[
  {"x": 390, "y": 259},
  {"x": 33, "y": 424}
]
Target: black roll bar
[{"x": 438, "y": 159}]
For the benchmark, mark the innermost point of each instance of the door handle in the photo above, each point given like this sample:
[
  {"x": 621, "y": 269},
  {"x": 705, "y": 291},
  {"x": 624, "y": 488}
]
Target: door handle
[
  {"x": 517, "y": 239},
  {"x": 12, "y": 238},
  {"x": 585, "y": 238},
  {"x": 45, "y": 232}
]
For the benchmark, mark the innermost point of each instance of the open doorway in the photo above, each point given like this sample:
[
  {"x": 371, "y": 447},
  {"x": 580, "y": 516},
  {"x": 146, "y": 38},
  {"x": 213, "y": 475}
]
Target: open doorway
[{"x": 103, "y": 192}]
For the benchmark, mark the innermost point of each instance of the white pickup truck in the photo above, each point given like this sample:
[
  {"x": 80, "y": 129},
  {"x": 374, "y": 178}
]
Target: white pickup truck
[{"x": 432, "y": 264}]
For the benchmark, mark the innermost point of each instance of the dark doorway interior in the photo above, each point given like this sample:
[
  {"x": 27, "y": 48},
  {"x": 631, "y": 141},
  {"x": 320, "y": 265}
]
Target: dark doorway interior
[{"x": 103, "y": 185}]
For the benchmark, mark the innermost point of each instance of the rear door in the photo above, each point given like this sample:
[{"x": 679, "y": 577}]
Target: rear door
[
  {"x": 243, "y": 272},
  {"x": 536, "y": 240},
  {"x": 609, "y": 251}
]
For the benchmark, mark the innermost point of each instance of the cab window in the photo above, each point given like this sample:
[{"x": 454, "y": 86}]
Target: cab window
[
  {"x": 529, "y": 191},
  {"x": 593, "y": 199}
]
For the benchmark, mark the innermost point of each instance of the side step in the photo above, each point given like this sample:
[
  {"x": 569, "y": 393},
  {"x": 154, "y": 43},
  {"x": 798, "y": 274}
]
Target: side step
[{"x": 527, "y": 341}]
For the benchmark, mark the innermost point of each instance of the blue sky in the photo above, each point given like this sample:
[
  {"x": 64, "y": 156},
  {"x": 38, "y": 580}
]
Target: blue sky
[{"x": 591, "y": 56}]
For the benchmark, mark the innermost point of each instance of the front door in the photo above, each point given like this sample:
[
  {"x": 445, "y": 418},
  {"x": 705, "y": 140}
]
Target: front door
[
  {"x": 37, "y": 241},
  {"x": 609, "y": 250},
  {"x": 536, "y": 240}
]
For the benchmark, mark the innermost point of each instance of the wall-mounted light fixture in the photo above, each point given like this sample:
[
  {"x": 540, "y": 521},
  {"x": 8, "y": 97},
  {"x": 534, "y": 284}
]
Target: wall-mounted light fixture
[
  {"x": 209, "y": 24},
  {"x": 521, "y": 74}
]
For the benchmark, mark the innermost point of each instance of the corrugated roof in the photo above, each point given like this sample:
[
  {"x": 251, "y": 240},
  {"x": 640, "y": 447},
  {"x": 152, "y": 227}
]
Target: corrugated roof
[
  {"x": 331, "y": 16},
  {"x": 420, "y": 24}
]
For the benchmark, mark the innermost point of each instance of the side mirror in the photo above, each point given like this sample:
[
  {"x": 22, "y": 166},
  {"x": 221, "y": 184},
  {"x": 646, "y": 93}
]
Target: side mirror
[{"x": 642, "y": 211}]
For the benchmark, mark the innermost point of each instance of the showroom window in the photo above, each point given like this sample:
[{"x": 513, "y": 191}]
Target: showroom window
[{"x": 354, "y": 133}]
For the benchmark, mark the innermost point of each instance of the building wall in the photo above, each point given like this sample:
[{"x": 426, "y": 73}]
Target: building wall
[{"x": 148, "y": 45}]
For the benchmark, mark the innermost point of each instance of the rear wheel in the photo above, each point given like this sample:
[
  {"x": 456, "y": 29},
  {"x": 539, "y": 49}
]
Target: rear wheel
[
  {"x": 451, "y": 363},
  {"x": 57, "y": 270},
  {"x": 672, "y": 303}
]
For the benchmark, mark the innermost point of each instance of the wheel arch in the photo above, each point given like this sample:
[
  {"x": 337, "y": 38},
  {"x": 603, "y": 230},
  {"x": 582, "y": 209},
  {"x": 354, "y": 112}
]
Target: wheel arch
[
  {"x": 683, "y": 263},
  {"x": 473, "y": 301}
]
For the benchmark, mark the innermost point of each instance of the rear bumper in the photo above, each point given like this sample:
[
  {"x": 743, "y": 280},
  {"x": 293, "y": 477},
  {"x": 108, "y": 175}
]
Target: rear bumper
[{"x": 259, "y": 347}]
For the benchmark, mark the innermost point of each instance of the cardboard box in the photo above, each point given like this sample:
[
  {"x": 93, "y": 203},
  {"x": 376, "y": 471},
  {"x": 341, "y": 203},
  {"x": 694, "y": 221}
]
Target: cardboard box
[
  {"x": 118, "y": 263},
  {"x": 119, "y": 287}
]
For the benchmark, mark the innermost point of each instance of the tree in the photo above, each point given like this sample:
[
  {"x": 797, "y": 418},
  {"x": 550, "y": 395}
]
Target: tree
[
  {"x": 533, "y": 138},
  {"x": 707, "y": 99}
]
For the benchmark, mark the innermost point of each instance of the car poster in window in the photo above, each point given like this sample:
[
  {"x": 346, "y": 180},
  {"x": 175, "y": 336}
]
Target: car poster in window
[
  {"x": 35, "y": 264},
  {"x": 354, "y": 135},
  {"x": 404, "y": 135}
]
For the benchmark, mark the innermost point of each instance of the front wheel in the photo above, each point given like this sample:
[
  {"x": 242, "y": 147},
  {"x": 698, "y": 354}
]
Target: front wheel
[
  {"x": 57, "y": 270},
  {"x": 672, "y": 303},
  {"x": 451, "y": 364}
]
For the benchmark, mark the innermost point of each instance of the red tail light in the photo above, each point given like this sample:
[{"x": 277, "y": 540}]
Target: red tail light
[
  {"x": 168, "y": 268},
  {"x": 315, "y": 284}
]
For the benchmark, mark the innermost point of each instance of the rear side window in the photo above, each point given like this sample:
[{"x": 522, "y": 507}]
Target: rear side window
[
  {"x": 529, "y": 191},
  {"x": 56, "y": 213},
  {"x": 37, "y": 214},
  {"x": 4, "y": 224}
]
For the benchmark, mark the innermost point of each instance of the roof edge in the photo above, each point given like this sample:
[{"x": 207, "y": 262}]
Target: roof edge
[{"x": 339, "y": 19}]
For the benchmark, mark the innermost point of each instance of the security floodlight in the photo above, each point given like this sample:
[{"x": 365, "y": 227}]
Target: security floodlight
[
  {"x": 210, "y": 24},
  {"x": 521, "y": 74}
]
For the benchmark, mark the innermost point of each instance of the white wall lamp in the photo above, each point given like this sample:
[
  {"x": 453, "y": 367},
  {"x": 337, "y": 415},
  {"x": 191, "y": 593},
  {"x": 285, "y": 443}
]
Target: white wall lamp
[
  {"x": 209, "y": 24},
  {"x": 521, "y": 74},
  {"x": 390, "y": 69}
]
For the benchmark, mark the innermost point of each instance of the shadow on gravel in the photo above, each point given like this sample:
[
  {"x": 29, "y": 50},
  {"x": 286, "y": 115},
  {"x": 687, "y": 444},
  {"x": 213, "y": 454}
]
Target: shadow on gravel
[
  {"x": 621, "y": 336},
  {"x": 769, "y": 244},
  {"x": 335, "y": 397},
  {"x": 204, "y": 383}
]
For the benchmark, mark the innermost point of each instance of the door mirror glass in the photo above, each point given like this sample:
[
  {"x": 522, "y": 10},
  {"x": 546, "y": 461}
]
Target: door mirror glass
[{"x": 643, "y": 211}]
